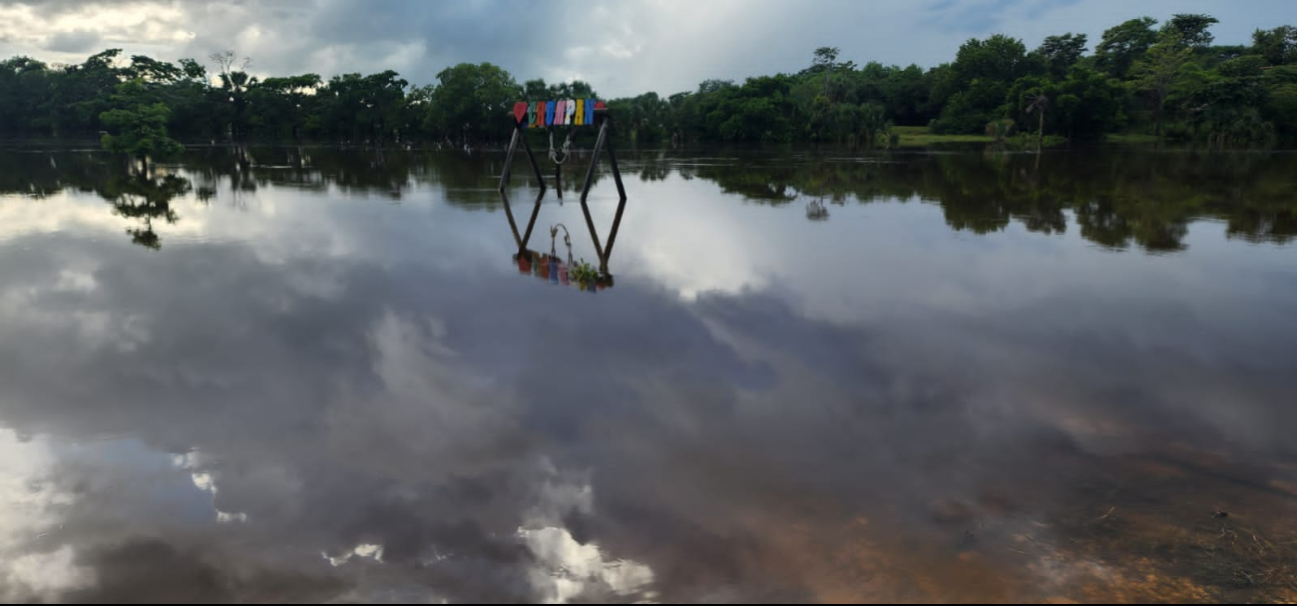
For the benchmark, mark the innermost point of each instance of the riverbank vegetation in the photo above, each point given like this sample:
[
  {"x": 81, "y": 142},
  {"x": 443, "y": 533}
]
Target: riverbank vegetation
[{"x": 1143, "y": 80}]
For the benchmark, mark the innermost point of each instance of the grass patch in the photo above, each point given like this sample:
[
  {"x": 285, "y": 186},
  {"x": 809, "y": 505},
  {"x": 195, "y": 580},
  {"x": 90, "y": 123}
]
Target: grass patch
[{"x": 921, "y": 136}]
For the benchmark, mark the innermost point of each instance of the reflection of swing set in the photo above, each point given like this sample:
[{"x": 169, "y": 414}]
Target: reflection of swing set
[
  {"x": 571, "y": 114},
  {"x": 554, "y": 268}
]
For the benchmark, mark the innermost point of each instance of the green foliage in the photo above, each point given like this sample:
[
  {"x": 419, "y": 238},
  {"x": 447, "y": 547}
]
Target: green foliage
[
  {"x": 983, "y": 72},
  {"x": 1060, "y": 53},
  {"x": 1155, "y": 79},
  {"x": 281, "y": 105},
  {"x": 1122, "y": 45},
  {"x": 1227, "y": 107},
  {"x": 1089, "y": 104},
  {"x": 1190, "y": 30},
  {"x": 644, "y": 119},
  {"x": 470, "y": 103},
  {"x": 583, "y": 273},
  {"x": 970, "y": 109},
  {"x": 136, "y": 128},
  {"x": 1278, "y": 45},
  {"x": 1157, "y": 74}
]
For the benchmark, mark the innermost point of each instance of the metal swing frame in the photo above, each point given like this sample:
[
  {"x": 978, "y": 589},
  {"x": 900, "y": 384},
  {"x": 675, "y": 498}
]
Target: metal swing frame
[{"x": 604, "y": 142}]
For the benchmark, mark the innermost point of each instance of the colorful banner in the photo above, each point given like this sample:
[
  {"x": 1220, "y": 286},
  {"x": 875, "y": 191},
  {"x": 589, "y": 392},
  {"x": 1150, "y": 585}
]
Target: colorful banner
[{"x": 564, "y": 112}]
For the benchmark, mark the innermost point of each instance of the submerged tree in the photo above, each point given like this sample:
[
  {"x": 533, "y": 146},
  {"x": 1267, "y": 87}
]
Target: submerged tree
[{"x": 138, "y": 128}]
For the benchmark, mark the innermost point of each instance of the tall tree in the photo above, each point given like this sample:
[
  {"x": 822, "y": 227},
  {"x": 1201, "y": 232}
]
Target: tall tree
[
  {"x": 471, "y": 101},
  {"x": 1156, "y": 74},
  {"x": 1123, "y": 44},
  {"x": 1278, "y": 45},
  {"x": 24, "y": 94},
  {"x": 825, "y": 60},
  {"x": 982, "y": 74},
  {"x": 1060, "y": 53},
  {"x": 138, "y": 128},
  {"x": 1191, "y": 29},
  {"x": 235, "y": 82}
]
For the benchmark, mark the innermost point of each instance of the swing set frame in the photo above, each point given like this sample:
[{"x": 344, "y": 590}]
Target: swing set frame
[{"x": 602, "y": 119}]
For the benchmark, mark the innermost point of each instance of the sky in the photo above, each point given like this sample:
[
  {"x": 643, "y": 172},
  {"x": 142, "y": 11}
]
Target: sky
[{"x": 622, "y": 48}]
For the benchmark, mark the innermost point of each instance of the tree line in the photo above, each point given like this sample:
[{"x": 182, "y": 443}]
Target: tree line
[{"x": 1169, "y": 80}]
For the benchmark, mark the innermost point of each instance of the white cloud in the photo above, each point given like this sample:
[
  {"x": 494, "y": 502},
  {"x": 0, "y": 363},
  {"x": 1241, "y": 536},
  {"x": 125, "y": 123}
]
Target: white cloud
[
  {"x": 364, "y": 550},
  {"x": 623, "y": 49},
  {"x": 568, "y": 568},
  {"x": 30, "y": 504}
]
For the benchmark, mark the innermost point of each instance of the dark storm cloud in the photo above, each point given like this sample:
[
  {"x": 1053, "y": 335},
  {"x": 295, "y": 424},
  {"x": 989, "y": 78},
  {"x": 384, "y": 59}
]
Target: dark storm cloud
[{"x": 76, "y": 41}]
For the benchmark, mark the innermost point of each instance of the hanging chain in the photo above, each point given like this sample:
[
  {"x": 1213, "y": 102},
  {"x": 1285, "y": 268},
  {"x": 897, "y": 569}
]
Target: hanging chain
[
  {"x": 567, "y": 241},
  {"x": 567, "y": 148}
]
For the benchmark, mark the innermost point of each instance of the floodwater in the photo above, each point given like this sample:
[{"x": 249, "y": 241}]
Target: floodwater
[{"x": 310, "y": 374}]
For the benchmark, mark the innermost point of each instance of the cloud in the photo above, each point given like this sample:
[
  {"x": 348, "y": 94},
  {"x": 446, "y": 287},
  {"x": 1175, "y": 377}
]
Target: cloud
[
  {"x": 315, "y": 370},
  {"x": 623, "y": 49},
  {"x": 74, "y": 41}
]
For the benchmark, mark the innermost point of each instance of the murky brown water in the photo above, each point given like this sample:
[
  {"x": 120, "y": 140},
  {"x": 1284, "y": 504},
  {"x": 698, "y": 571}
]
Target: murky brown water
[{"x": 331, "y": 375}]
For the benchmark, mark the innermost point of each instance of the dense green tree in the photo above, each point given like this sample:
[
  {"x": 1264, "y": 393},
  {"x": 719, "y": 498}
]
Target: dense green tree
[
  {"x": 1281, "y": 106},
  {"x": 231, "y": 99},
  {"x": 1187, "y": 88},
  {"x": 280, "y": 106},
  {"x": 982, "y": 74},
  {"x": 1278, "y": 45},
  {"x": 645, "y": 119},
  {"x": 1123, "y": 44},
  {"x": 1227, "y": 109},
  {"x": 1157, "y": 73},
  {"x": 361, "y": 109},
  {"x": 24, "y": 93},
  {"x": 1089, "y": 104},
  {"x": 137, "y": 127},
  {"x": 1060, "y": 53},
  {"x": 1190, "y": 30},
  {"x": 470, "y": 103}
]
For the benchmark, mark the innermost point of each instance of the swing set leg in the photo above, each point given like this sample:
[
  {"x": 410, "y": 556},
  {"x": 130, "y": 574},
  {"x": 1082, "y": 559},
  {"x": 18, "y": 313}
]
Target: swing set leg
[
  {"x": 604, "y": 141},
  {"x": 508, "y": 163},
  {"x": 616, "y": 176},
  {"x": 558, "y": 180},
  {"x": 594, "y": 160},
  {"x": 594, "y": 235},
  {"x": 522, "y": 240},
  {"x": 531, "y": 223},
  {"x": 518, "y": 135}
]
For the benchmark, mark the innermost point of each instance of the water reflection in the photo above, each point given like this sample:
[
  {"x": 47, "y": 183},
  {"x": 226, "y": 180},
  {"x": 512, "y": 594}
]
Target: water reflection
[
  {"x": 145, "y": 198},
  {"x": 943, "y": 392},
  {"x": 554, "y": 267},
  {"x": 1116, "y": 199}
]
